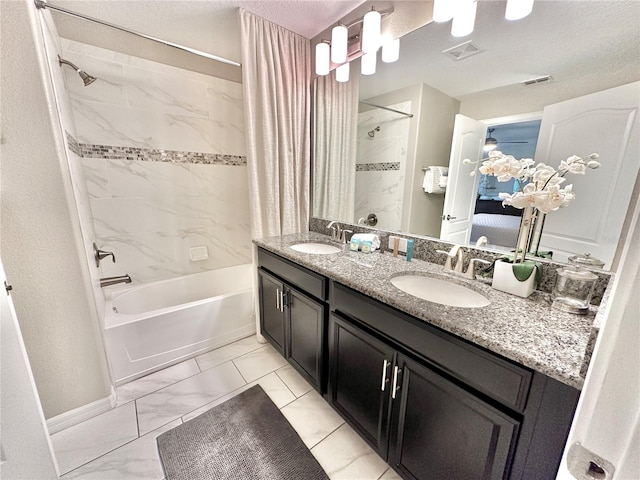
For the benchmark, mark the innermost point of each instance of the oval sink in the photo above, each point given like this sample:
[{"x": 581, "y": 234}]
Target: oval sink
[
  {"x": 440, "y": 291},
  {"x": 316, "y": 248}
]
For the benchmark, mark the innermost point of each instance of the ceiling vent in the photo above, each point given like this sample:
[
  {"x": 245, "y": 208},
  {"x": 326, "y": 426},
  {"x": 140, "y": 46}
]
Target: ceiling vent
[
  {"x": 533, "y": 81},
  {"x": 463, "y": 50}
]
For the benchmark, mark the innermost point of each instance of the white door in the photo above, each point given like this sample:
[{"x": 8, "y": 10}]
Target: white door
[
  {"x": 24, "y": 442},
  {"x": 606, "y": 123},
  {"x": 460, "y": 197}
]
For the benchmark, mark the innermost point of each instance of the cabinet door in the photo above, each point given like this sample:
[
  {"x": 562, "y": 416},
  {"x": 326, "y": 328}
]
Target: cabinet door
[
  {"x": 440, "y": 431},
  {"x": 305, "y": 326},
  {"x": 360, "y": 381},
  {"x": 272, "y": 325}
]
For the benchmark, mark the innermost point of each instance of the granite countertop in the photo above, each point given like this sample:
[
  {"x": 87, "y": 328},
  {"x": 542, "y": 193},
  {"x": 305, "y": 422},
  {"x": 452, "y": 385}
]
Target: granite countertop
[{"x": 525, "y": 330}]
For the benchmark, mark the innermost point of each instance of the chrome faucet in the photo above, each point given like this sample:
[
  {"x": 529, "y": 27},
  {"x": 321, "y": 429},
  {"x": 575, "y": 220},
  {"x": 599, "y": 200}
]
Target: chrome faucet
[
  {"x": 107, "y": 281},
  {"x": 336, "y": 231}
]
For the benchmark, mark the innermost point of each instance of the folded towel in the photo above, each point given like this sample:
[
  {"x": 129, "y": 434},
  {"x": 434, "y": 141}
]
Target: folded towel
[
  {"x": 370, "y": 237},
  {"x": 431, "y": 182}
]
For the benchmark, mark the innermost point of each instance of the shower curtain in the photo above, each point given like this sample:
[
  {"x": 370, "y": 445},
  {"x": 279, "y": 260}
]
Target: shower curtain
[
  {"x": 276, "y": 76},
  {"x": 336, "y": 126}
]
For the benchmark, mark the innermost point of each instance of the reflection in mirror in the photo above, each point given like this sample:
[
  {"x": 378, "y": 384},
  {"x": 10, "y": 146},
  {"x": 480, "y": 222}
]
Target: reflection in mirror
[{"x": 389, "y": 161}]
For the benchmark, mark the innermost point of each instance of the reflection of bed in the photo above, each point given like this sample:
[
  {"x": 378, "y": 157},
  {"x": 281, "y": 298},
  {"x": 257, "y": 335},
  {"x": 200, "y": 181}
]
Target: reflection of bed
[
  {"x": 500, "y": 224},
  {"x": 499, "y": 229}
]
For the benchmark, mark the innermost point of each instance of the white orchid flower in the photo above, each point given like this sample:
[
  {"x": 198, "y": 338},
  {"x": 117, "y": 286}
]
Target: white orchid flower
[{"x": 543, "y": 173}]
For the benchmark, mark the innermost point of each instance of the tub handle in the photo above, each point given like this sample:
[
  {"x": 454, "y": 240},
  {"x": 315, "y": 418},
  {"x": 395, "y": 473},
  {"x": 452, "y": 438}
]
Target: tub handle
[{"x": 101, "y": 254}]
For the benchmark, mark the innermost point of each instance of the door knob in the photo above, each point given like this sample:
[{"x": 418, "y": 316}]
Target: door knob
[{"x": 448, "y": 217}]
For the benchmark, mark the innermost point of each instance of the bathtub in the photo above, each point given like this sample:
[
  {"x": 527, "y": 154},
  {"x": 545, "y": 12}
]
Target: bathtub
[{"x": 151, "y": 326}]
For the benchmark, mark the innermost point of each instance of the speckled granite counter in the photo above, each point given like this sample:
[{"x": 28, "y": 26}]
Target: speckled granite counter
[{"x": 527, "y": 331}]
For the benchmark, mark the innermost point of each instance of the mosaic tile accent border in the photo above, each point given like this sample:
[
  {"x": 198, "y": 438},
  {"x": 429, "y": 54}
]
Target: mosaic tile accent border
[
  {"x": 110, "y": 152},
  {"x": 377, "y": 167}
]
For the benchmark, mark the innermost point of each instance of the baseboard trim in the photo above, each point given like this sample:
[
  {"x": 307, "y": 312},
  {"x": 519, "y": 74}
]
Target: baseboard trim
[{"x": 80, "y": 414}]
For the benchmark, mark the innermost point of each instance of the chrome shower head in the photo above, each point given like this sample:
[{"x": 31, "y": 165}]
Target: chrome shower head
[
  {"x": 372, "y": 133},
  {"x": 86, "y": 78}
]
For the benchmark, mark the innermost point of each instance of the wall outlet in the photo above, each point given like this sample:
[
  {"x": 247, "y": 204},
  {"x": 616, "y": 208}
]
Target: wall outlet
[
  {"x": 402, "y": 245},
  {"x": 197, "y": 254}
]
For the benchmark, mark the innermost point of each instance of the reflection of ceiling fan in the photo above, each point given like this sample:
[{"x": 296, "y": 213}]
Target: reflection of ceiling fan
[{"x": 491, "y": 143}]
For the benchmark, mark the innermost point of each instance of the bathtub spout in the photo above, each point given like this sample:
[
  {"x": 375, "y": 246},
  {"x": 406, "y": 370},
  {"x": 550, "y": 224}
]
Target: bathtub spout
[{"x": 105, "y": 282}]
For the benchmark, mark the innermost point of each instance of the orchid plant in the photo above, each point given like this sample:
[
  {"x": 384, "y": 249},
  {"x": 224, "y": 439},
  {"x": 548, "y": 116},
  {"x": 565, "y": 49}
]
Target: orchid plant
[{"x": 543, "y": 189}]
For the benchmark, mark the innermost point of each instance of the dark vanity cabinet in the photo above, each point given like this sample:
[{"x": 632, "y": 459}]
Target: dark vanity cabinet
[
  {"x": 437, "y": 407},
  {"x": 293, "y": 314},
  {"x": 432, "y": 404}
]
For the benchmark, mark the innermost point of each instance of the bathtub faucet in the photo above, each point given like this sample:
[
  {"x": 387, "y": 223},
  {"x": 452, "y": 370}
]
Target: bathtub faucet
[{"x": 105, "y": 282}]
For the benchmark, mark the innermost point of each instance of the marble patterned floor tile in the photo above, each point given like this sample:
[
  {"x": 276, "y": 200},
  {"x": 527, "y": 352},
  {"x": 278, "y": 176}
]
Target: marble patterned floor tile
[
  {"x": 292, "y": 379},
  {"x": 345, "y": 456},
  {"x": 259, "y": 363},
  {"x": 156, "y": 381},
  {"x": 390, "y": 474},
  {"x": 138, "y": 459},
  {"x": 312, "y": 417},
  {"x": 228, "y": 352},
  {"x": 172, "y": 402},
  {"x": 81, "y": 443},
  {"x": 273, "y": 386}
]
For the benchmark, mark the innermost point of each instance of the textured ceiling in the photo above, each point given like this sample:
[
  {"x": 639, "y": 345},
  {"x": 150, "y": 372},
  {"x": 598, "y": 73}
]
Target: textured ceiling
[
  {"x": 594, "y": 41},
  {"x": 581, "y": 42}
]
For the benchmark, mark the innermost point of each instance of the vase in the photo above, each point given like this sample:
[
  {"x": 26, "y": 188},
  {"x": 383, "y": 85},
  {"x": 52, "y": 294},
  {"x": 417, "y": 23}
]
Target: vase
[
  {"x": 525, "y": 234},
  {"x": 515, "y": 278}
]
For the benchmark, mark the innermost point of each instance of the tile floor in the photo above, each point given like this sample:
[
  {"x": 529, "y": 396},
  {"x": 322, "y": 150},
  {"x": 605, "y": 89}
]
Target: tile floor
[{"x": 121, "y": 444}]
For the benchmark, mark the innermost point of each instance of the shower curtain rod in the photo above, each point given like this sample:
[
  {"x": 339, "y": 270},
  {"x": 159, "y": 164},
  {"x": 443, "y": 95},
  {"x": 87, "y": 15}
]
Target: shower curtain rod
[
  {"x": 42, "y": 4},
  {"x": 410, "y": 115}
]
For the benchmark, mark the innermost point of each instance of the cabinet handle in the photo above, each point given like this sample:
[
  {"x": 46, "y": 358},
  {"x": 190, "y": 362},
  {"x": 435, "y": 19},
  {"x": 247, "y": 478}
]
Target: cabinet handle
[
  {"x": 395, "y": 382},
  {"x": 282, "y": 300},
  {"x": 278, "y": 299},
  {"x": 386, "y": 364}
]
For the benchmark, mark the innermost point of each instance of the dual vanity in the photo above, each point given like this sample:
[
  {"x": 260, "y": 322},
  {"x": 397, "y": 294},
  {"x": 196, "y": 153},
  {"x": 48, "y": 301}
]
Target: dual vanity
[{"x": 471, "y": 383}]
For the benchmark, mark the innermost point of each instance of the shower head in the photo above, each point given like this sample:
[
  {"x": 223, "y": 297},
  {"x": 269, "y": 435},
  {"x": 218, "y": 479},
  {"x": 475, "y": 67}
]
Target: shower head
[
  {"x": 372, "y": 133},
  {"x": 86, "y": 78}
]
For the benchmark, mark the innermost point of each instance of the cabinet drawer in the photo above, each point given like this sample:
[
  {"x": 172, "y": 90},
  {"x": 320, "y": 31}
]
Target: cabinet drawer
[
  {"x": 304, "y": 279},
  {"x": 486, "y": 372}
]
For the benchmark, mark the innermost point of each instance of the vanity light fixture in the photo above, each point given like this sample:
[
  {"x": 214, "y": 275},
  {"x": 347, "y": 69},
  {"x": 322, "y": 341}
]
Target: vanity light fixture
[
  {"x": 371, "y": 31},
  {"x": 339, "y": 43},
  {"x": 391, "y": 51},
  {"x": 517, "y": 9},
  {"x": 464, "y": 18},
  {"x": 342, "y": 73},
  {"x": 442, "y": 10},
  {"x": 368, "y": 63},
  {"x": 322, "y": 58}
]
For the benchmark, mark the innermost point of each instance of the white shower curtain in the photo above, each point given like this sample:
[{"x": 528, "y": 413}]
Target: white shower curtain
[
  {"x": 336, "y": 126},
  {"x": 276, "y": 75}
]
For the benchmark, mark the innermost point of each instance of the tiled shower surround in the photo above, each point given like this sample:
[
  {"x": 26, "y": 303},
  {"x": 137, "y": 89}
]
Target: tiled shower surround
[{"x": 163, "y": 154}]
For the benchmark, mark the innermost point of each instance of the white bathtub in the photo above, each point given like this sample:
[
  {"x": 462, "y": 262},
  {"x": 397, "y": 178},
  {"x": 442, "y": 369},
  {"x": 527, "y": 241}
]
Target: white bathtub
[{"x": 151, "y": 326}]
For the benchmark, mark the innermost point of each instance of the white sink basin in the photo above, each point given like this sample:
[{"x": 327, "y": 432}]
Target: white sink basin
[
  {"x": 316, "y": 248},
  {"x": 440, "y": 291}
]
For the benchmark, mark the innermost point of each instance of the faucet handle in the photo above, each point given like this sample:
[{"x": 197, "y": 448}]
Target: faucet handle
[
  {"x": 472, "y": 267},
  {"x": 447, "y": 263},
  {"x": 343, "y": 237},
  {"x": 101, "y": 254}
]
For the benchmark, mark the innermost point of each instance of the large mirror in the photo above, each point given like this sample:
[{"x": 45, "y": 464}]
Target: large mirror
[{"x": 406, "y": 112}]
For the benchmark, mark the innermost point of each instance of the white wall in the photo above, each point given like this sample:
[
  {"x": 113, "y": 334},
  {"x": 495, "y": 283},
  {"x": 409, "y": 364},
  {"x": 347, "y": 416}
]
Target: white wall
[
  {"x": 150, "y": 213},
  {"x": 41, "y": 244}
]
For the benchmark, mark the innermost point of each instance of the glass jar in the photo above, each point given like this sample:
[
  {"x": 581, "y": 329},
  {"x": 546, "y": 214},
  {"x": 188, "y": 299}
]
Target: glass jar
[
  {"x": 573, "y": 289},
  {"x": 586, "y": 260}
]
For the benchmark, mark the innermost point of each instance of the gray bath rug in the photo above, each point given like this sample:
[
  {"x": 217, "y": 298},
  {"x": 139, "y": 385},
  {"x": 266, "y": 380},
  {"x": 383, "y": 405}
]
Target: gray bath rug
[{"x": 243, "y": 438}]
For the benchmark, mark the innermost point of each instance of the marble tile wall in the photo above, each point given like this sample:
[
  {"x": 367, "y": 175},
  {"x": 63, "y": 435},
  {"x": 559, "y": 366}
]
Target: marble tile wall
[
  {"x": 380, "y": 165},
  {"x": 163, "y": 154}
]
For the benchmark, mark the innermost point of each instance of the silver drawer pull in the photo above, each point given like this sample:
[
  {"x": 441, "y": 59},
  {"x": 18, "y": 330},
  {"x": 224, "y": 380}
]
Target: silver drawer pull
[
  {"x": 386, "y": 364},
  {"x": 278, "y": 298},
  {"x": 395, "y": 382}
]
